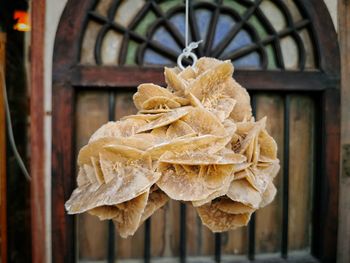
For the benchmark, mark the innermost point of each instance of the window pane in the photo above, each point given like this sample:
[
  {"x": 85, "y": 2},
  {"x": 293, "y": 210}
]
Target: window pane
[
  {"x": 273, "y": 13},
  {"x": 289, "y": 53},
  {"x": 110, "y": 47},
  {"x": 203, "y": 18},
  {"x": 163, "y": 37},
  {"x": 251, "y": 60},
  {"x": 152, "y": 57},
  {"x": 241, "y": 40},
  {"x": 224, "y": 25}
]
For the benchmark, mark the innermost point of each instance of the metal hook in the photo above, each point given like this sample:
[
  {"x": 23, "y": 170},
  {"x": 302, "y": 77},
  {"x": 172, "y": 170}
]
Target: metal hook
[
  {"x": 187, "y": 52},
  {"x": 183, "y": 55}
]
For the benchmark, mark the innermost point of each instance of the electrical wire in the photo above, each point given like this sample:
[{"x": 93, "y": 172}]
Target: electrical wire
[{"x": 10, "y": 130}]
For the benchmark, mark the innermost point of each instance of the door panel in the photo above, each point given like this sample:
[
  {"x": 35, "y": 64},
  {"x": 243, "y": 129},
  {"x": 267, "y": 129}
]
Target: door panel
[{"x": 93, "y": 110}]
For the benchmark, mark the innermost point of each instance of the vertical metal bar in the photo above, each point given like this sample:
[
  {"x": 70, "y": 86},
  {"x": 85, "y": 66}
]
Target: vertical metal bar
[
  {"x": 251, "y": 226},
  {"x": 111, "y": 228},
  {"x": 182, "y": 233},
  {"x": 111, "y": 106},
  {"x": 111, "y": 242},
  {"x": 217, "y": 247},
  {"x": 285, "y": 188},
  {"x": 147, "y": 252},
  {"x": 251, "y": 238}
]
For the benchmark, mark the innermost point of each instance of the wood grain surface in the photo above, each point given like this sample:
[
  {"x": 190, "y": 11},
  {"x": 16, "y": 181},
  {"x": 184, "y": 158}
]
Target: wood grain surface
[
  {"x": 344, "y": 198},
  {"x": 38, "y": 208}
]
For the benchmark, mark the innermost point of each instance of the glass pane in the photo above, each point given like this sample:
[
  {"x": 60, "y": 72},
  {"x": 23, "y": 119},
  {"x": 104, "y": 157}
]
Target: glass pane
[
  {"x": 251, "y": 60},
  {"x": 87, "y": 50},
  {"x": 145, "y": 23},
  {"x": 224, "y": 25},
  {"x": 131, "y": 53},
  {"x": 235, "y": 6},
  {"x": 178, "y": 21},
  {"x": 309, "y": 49},
  {"x": 203, "y": 17},
  {"x": 271, "y": 57},
  {"x": 289, "y": 53},
  {"x": 103, "y": 7},
  {"x": 273, "y": 13},
  {"x": 154, "y": 58},
  {"x": 127, "y": 11},
  {"x": 167, "y": 5},
  {"x": 111, "y": 47},
  {"x": 241, "y": 40},
  {"x": 294, "y": 11},
  {"x": 258, "y": 26},
  {"x": 163, "y": 37}
]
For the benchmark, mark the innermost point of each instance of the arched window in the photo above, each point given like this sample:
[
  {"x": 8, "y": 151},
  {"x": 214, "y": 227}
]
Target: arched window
[
  {"x": 254, "y": 35},
  {"x": 285, "y": 53}
]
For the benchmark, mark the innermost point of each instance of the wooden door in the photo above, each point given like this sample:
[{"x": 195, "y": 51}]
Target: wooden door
[{"x": 285, "y": 53}]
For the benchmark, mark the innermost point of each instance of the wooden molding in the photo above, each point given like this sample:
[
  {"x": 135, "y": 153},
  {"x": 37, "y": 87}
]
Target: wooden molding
[{"x": 38, "y": 213}]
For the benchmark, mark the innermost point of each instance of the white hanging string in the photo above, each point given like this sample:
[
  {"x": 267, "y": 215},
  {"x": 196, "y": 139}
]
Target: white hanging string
[
  {"x": 187, "y": 51},
  {"x": 9, "y": 129}
]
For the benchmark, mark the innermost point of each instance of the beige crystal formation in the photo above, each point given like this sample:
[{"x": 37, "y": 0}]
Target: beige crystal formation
[{"x": 195, "y": 141}]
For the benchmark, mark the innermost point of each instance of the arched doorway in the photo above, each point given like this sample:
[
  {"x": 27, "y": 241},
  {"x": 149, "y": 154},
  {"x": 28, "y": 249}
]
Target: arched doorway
[{"x": 285, "y": 54}]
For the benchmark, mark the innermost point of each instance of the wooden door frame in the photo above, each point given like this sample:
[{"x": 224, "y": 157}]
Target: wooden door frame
[
  {"x": 68, "y": 75},
  {"x": 37, "y": 148}
]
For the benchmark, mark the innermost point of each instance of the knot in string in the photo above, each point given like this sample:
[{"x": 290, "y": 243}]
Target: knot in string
[{"x": 187, "y": 52}]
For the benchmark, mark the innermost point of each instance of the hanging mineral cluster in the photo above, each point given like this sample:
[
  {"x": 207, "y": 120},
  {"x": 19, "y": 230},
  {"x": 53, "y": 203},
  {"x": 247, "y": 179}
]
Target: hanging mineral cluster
[{"x": 195, "y": 141}]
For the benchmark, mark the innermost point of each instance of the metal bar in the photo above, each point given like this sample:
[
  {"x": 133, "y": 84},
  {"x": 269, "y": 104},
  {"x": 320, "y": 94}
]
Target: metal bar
[
  {"x": 182, "y": 233},
  {"x": 217, "y": 247},
  {"x": 267, "y": 40},
  {"x": 272, "y": 31},
  {"x": 251, "y": 226},
  {"x": 111, "y": 228},
  {"x": 233, "y": 32},
  {"x": 111, "y": 106},
  {"x": 147, "y": 252},
  {"x": 111, "y": 242},
  {"x": 285, "y": 188},
  {"x": 251, "y": 238},
  {"x": 98, "y": 44},
  {"x": 165, "y": 51},
  {"x": 211, "y": 31},
  {"x": 170, "y": 26}
]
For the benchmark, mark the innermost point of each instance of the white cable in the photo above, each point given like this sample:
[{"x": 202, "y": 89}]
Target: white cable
[
  {"x": 186, "y": 25},
  {"x": 187, "y": 51},
  {"x": 10, "y": 132}
]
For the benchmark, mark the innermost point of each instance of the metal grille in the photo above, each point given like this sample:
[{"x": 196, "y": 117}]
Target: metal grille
[{"x": 217, "y": 257}]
